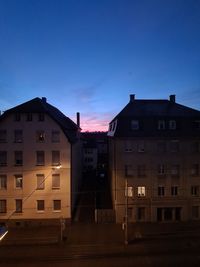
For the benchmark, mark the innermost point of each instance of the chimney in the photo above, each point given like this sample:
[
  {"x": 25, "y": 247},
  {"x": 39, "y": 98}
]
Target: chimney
[
  {"x": 132, "y": 98},
  {"x": 172, "y": 98},
  {"x": 78, "y": 119},
  {"x": 44, "y": 100}
]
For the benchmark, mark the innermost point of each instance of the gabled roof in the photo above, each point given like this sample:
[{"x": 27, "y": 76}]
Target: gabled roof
[
  {"x": 157, "y": 108},
  {"x": 38, "y": 105}
]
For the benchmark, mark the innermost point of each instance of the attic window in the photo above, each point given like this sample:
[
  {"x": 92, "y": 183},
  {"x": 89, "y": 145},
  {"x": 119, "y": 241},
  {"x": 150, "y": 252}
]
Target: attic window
[
  {"x": 134, "y": 125},
  {"x": 41, "y": 117},
  {"x": 29, "y": 117},
  {"x": 197, "y": 125},
  {"x": 17, "y": 116}
]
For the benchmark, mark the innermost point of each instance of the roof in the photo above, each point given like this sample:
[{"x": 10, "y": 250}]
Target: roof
[
  {"x": 148, "y": 112},
  {"x": 38, "y": 105}
]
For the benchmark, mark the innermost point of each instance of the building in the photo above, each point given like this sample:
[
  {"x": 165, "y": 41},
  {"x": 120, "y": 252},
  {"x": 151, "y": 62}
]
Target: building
[
  {"x": 154, "y": 148},
  {"x": 40, "y": 165}
]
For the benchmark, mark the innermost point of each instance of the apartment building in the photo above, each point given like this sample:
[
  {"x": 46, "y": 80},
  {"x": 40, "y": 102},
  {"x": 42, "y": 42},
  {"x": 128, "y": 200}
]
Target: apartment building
[
  {"x": 154, "y": 159},
  {"x": 39, "y": 164}
]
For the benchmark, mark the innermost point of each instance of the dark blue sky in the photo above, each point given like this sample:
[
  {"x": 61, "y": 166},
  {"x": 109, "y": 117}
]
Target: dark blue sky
[{"x": 89, "y": 55}]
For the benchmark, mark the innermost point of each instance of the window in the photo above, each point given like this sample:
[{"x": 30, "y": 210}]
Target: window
[
  {"x": 174, "y": 146},
  {"x": 195, "y": 147},
  {"x": 172, "y": 125},
  {"x": 141, "y": 214},
  {"x": 161, "y": 191},
  {"x": 18, "y": 181},
  {"x": 40, "y": 181},
  {"x": 57, "y": 205},
  {"x": 161, "y": 146},
  {"x": 174, "y": 190},
  {"x": 18, "y": 205},
  {"x": 129, "y": 191},
  {"x": 3, "y": 158},
  {"x": 161, "y": 169},
  {"x": 140, "y": 146},
  {"x": 3, "y": 206},
  {"x": 40, "y": 136},
  {"x": 55, "y": 158},
  {"x": 175, "y": 170},
  {"x": 40, "y": 159},
  {"x": 194, "y": 190},
  {"x": 196, "y": 125},
  {"x": 141, "y": 170},
  {"x": 17, "y": 116},
  {"x": 130, "y": 212},
  {"x": 55, "y": 136},
  {"x": 18, "y": 158},
  {"x": 128, "y": 170},
  {"x": 134, "y": 125},
  {"x": 55, "y": 181},
  {"x": 29, "y": 117},
  {"x": 3, "y": 136},
  {"x": 195, "y": 212},
  {"x": 18, "y": 136},
  {"x": 195, "y": 170},
  {"x": 141, "y": 191},
  {"x": 40, "y": 205},
  {"x": 3, "y": 181},
  {"x": 41, "y": 117},
  {"x": 128, "y": 146},
  {"x": 161, "y": 125}
]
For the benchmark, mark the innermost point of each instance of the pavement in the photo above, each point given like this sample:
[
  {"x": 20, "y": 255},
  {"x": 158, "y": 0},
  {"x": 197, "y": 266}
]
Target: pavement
[{"x": 88, "y": 240}]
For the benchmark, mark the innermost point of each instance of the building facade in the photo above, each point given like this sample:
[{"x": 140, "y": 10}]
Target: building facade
[
  {"x": 154, "y": 151},
  {"x": 39, "y": 164}
]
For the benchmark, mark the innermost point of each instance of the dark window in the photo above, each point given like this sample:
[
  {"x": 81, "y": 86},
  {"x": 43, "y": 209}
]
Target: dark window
[
  {"x": 41, "y": 117},
  {"x": 18, "y": 205},
  {"x": 161, "y": 191},
  {"x": 55, "y": 181},
  {"x": 141, "y": 170},
  {"x": 40, "y": 158},
  {"x": 40, "y": 136},
  {"x": 3, "y": 158},
  {"x": 174, "y": 190},
  {"x": 18, "y": 158},
  {"x": 3, "y": 136},
  {"x": 128, "y": 170},
  {"x": 195, "y": 212},
  {"x": 40, "y": 181},
  {"x": 194, "y": 190},
  {"x": 141, "y": 214},
  {"x": 40, "y": 205},
  {"x": 57, "y": 205},
  {"x": 17, "y": 116},
  {"x": 18, "y": 136},
  {"x": 3, "y": 206},
  {"x": 29, "y": 117},
  {"x": 55, "y": 158},
  {"x": 3, "y": 181}
]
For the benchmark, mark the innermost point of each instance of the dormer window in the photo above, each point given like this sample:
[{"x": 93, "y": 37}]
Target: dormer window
[
  {"x": 134, "y": 125},
  {"x": 161, "y": 125},
  {"x": 172, "y": 125}
]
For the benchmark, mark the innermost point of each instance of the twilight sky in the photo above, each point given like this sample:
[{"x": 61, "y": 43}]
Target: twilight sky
[{"x": 89, "y": 55}]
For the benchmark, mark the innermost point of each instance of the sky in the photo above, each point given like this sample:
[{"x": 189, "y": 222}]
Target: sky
[{"x": 88, "y": 56}]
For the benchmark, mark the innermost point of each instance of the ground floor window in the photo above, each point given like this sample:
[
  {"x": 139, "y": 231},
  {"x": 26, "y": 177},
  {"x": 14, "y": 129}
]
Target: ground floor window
[
  {"x": 169, "y": 214},
  {"x": 195, "y": 212}
]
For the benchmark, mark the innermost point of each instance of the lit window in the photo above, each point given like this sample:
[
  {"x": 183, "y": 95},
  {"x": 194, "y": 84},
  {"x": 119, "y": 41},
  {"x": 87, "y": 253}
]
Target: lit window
[
  {"x": 18, "y": 181},
  {"x": 18, "y": 158},
  {"x": 55, "y": 136},
  {"x": 55, "y": 181},
  {"x": 3, "y": 206},
  {"x": 172, "y": 125},
  {"x": 40, "y": 136},
  {"x": 174, "y": 190},
  {"x": 55, "y": 158},
  {"x": 141, "y": 191},
  {"x": 3, "y": 158},
  {"x": 161, "y": 125},
  {"x": 57, "y": 205},
  {"x": 18, "y": 205},
  {"x": 161, "y": 191},
  {"x": 134, "y": 125},
  {"x": 40, "y": 181},
  {"x": 3, "y": 181},
  {"x": 40, "y": 159},
  {"x": 40, "y": 205},
  {"x": 129, "y": 191},
  {"x": 18, "y": 136},
  {"x": 3, "y": 136},
  {"x": 195, "y": 190}
]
